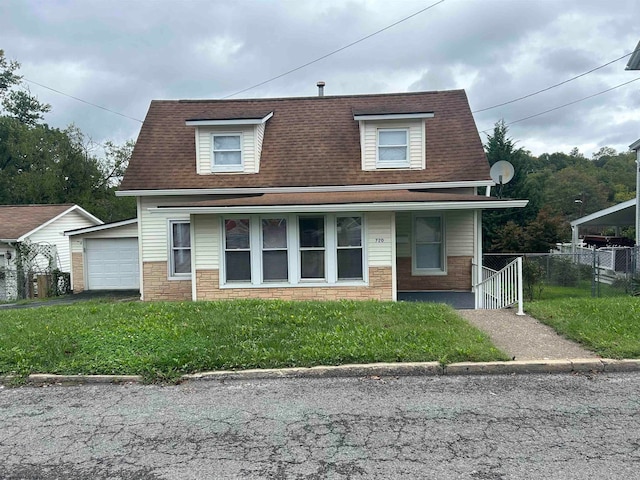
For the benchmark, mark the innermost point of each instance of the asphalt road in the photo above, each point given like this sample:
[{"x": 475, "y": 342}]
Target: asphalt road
[{"x": 466, "y": 427}]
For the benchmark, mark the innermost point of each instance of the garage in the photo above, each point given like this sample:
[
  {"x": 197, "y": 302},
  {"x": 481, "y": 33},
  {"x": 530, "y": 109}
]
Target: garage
[
  {"x": 105, "y": 257},
  {"x": 112, "y": 264}
]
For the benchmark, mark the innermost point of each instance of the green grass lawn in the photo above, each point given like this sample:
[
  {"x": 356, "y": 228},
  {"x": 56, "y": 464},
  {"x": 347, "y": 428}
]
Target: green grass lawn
[
  {"x": 608, "y": 326},
  {"x": 582, "y": 290},
  {"x": 164, "y": 340}
]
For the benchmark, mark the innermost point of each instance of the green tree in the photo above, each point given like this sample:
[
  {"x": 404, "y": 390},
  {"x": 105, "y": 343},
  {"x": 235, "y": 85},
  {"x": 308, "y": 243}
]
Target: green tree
[
  {"x": 500, "y": 147},
  {"x": 16, "y": 102}
]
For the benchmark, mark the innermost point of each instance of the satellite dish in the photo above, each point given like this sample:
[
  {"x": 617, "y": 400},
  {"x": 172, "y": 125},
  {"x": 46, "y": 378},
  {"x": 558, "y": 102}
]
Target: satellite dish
[{"x": 501, "y": 172}]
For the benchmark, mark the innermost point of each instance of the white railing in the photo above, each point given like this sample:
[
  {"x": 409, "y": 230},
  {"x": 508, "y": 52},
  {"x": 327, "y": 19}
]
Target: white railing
[{"x": 501, "y": 289}]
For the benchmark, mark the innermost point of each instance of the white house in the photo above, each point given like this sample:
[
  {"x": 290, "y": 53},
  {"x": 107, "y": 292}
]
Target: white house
[{"x": 42, "y": 225}]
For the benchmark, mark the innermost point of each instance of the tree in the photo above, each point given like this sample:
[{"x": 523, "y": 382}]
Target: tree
[
  {"x": 544, "y": 232},
  {"x": 19, "y": 103},
  {"x": 500, "y": 147}
]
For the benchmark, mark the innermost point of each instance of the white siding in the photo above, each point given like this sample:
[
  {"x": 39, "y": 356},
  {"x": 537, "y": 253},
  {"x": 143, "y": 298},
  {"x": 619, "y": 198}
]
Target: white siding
[
  {"x": 416, "y": 141},
  {"x": 125, "y": 231},
  {"x": 207, "y": 241},
  {"x": 155, "y": 227},
  {"x": 379, "y": 241},
  {"x": 76, "y": 244},
  {"x": 54, "y": 234},
  {"x": 259, "y": 139},
  {"x": 459, "y": 233},
  {"x": 249, "y": 148}
]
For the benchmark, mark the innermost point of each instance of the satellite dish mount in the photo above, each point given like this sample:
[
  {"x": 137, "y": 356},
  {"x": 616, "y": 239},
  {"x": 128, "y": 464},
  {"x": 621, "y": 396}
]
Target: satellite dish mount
[{"x": 501, "y": 173}]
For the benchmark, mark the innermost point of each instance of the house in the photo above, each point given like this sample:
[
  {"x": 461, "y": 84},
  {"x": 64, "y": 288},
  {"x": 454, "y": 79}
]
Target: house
[
  {"x": 40, "y": 229},
  {"x": 326, "y": 197}
]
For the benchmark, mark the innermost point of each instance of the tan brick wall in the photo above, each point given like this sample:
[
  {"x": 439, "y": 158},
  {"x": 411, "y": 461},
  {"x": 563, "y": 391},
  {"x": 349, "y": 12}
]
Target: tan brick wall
[
  {"x": 77, "y": 267},
  {"x": 379, "y": 288},
  {"x": 458, "y": 276},
  {"x": 157, "y": 286}
]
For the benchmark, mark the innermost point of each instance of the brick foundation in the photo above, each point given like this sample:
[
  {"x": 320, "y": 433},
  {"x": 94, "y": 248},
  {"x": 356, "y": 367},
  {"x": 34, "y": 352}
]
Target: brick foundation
[
  {"x": 157, "y": 286},
  {"x": 379, "y": 288},
  {"x": 458, "y": 276},
  {"x": 77, "y": 267}
]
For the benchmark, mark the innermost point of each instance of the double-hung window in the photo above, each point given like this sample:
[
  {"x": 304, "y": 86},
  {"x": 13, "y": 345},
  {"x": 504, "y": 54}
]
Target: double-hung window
[
  {"x": 226, "y": 152},
  {"x": 180, "y": 261},
  {"x": 275, "y": 264},
  {"x": 428, "y": 245},
  {"x": 312, "y": 248},
  {"x": 349, "y": 248},
  {"x": 393, "y": 148},
  {"x": 237, "y": 250}
]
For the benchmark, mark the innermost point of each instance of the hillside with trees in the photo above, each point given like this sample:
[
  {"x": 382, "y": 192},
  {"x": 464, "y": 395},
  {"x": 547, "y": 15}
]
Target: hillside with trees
[
  {"x": 560, "y": 187},
  {"x": 41, "y": 164}
]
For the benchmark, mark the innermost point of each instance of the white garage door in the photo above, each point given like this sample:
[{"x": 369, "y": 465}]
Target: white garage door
[{"x": 112, "y": 264}]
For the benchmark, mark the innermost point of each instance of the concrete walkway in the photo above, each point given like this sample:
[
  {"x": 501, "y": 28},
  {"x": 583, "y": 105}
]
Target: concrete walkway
[{"x": 523, "y": 337}]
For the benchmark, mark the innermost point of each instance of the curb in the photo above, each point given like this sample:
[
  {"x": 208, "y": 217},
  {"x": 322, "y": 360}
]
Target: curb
[{"x": 579, "y": 365}]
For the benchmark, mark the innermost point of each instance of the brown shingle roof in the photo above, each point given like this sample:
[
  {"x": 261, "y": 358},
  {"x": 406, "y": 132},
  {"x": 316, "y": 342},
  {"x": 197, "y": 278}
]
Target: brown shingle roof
[
  {"x": 16, "y": 220},
  {"x": 309, "y": 141}
]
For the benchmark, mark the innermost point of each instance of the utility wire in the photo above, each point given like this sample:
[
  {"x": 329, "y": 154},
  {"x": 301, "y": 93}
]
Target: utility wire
[
  {"x": 333, "y": 52},
  {"x": 556, "y": 85},
  {"x": 81, "y": 100},
  {"x": 567, "y": 104}
]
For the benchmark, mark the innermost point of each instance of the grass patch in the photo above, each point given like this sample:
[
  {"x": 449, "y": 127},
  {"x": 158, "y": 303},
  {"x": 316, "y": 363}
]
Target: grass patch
[
  {"x": 582, "y": 290},
  {"x": 608, "y": 326},
  {"x": 161, "y": 341}
]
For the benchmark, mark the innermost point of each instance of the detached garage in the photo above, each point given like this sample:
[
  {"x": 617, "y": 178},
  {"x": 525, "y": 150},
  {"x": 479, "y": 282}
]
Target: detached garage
[{"x": 105, "y": 257}]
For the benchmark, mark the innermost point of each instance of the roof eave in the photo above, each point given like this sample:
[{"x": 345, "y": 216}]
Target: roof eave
[
  {"x": 302, "y": 189},
  {"x": 346, "y": 207},
  {"x": 80, "y": 210},
  {"x": 98, "y": 228},
  {"x": 228, "y": 121},
  {"x": 634, "y": 61},
  {"x": 603, "y": 213}
]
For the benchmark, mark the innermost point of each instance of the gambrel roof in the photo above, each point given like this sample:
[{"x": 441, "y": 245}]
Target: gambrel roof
[{"x": 310, "y": 141}]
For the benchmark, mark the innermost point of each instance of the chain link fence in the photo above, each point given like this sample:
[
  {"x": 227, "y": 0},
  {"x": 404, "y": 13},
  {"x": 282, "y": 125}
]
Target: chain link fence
[
  {"x": 33, "y": 273},
  {"x": 607, "y": 271}
]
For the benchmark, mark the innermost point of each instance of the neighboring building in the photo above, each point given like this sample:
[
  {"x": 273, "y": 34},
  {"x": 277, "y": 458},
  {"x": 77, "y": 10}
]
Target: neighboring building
[
  {"x": 105, "y": 257},
  {"x": 38, "y": 225},
  {"x": 323, "y": 197}
]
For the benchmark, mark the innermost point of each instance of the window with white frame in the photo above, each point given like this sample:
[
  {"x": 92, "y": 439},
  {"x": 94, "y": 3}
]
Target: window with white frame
[
  {"x": 237, "y": 250},
  {"x": 393, "y": 148},
  {"x": 428, "y": 245},
  {"x": 275, "y": 264},
  {"x": 291, "y": 249},
  {"x": 180, "y": 261},
  {"x": 226, "y": 152},
  {"x": 349, "y": 248},
  {"x": 312, "y": 247}
]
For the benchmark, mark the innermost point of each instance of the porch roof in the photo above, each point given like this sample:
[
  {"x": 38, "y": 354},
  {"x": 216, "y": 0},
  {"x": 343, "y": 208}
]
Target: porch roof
[{"x": 375, "y": 200}]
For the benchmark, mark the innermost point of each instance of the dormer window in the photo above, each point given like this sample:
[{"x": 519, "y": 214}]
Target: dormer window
[
  {"x": 227, "y": 152},
  {"x": 393, "y": 139},
  {"x": 393, "y": 148},
  {"x": 229, "y": 145}
]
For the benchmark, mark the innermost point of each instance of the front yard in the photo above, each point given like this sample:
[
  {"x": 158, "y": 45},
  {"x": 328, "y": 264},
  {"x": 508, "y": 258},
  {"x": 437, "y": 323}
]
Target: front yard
[
  {"x": 608, "y": 326},
  {"x": 162, "y": 341}
]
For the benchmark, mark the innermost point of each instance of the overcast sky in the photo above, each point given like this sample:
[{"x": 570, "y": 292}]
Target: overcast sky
[{"x": 121, "y": 55}]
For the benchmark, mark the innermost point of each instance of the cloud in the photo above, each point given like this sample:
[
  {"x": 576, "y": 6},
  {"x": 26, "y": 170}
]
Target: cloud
[{"x": 124, "y": 54}]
